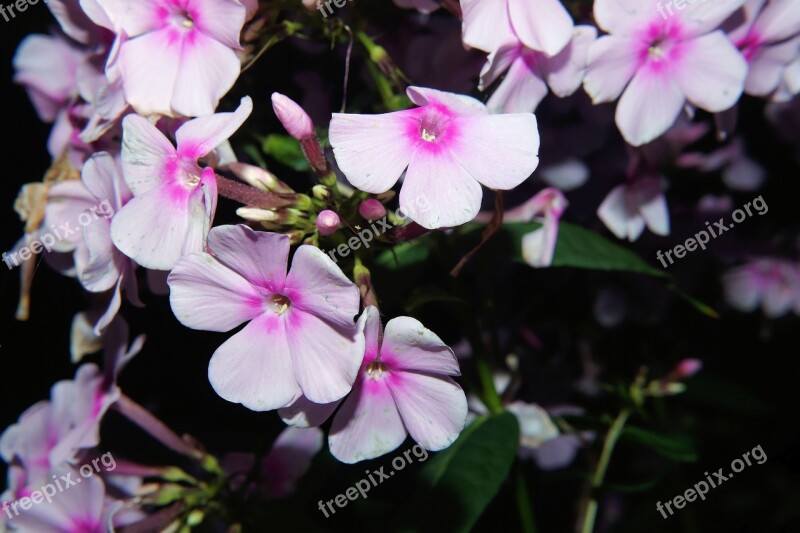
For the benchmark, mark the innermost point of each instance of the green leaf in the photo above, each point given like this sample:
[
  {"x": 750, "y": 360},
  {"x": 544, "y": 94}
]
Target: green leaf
[
  {"x": 461, "y": 481},
  {"x": 405, "y": 254},
  {"x": 581, "y": 248},
  {"x": 286, "y": 150},
  {"x": 675, "y": 447}
]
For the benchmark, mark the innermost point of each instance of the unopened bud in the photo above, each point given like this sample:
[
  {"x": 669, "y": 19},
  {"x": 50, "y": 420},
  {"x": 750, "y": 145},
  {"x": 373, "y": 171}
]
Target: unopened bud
[
  {"x": 257, "y": 215},
  {"x": 371, "y": 209},
  {"x": 328, "y": 222},
  {"x": 296, "y": 121},
  {"x": 687, "y": 368},
  {"x": 259, "y": 178},
  {"x": 321, "y": 192}
]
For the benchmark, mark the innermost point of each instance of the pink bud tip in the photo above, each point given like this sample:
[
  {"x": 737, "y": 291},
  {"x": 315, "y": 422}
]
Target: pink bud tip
[
  {"x": 327, "y": 222},
  {"x": 371, "y": 209},
  {"x": 688, "y": 368},
  {"x": 296, "y": 121}
]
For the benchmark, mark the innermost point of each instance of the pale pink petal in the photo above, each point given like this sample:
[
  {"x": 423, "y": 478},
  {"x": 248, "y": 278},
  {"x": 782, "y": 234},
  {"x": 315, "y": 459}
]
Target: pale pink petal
[
  {"x": 486, "y": 24},
  {"x": 368, "y": 425},
  {"x": 200, "y": 136},
  {"x": 612, "y": 63},
  {"x": 290, "y": 458},
  {"x": 209, "y": 296},
  {"x": 410, "y": 346},
  {"x": 618, "y": 215},
  {"x": 653, "y": 205},
  {"x": 712, "y": 72},
  {"x": 704, "y": 17},
  {"x": 66, "y": 201},
  {"x": 743, "y": 288},
  {"x": 649, "y": 106},
  {"x": 779, "y": 20},
  {"x": 565, "y": 71},
  {"x": 259, "y": 257},
  {"x": 316, "y": 285},
  {"x": 254, "y": 367},
  {"x": 102, "y": 179},
  {"x": 325, "y": 357},
  {"x": 373, "y": 150},
  {"x": 767, "y": 68},
  {"x": 134, "y": 18},
  {"x": 498, "y": 62},
  {"x": 541, "y": 24},
  {"x": 520, "y": 91},
  {"x": 149, "y": 85},
  {"x": 623, "y": 17},
  {"x": 433, "y": 409},
  {"x": 162, "y": 225},
  {"x": 304, "y": 413},
  {"x": 145, "y": 154},
  {"x": 207, "y": 70},
  {"x": 500, "y": 151},
  {"x": 370, "y": 323},
  {"x": 458, "y": 103},
  {"x": 438, "y": 191},
  {"x": 105, "y": 263},
  {"x": 221, "y": 21},
  {"x": 113, "y": 307}
]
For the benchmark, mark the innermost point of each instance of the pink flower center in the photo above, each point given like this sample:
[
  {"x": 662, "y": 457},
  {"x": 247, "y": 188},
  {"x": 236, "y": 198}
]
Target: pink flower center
[
  {"x": 432, "y": 125},
  {"x": 376, "y": 370},
  {"x": 280, "y": 303}
]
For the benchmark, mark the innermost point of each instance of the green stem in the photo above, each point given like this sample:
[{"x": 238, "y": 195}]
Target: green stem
[
  {"x": 610, "y": 442},
  {"x": 524, "y": 502},
  {"x": 490, "y": 396}
]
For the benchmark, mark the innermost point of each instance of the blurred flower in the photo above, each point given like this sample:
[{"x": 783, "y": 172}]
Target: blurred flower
[
  {"x": 450, "y": 138},
  {"x": 772, "y": 284},
  {"x": 300, "y": 337},
  {"x": 628, "y": 208},
  {"x": 663, "y": 61}
]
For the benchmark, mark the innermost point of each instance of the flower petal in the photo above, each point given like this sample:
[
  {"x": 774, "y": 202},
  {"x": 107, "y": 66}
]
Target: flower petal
[
  {"x": 254, "y": 367},
  {"x": 303, "y": 413},
  {"x": 486, "y": 24},
  {"x": 145, "y": 152},
  {"x": 207, "y": 295},
  {"x": 368, "y": 425},
  {"x": 259, "y": 257},
  {"x": 712, "y": 72},
  {"x": 149, "y": 85},
  {"x": 198, "y": 137},
  {"x": 649, "y": 106},
  {"x": 434, "y": 410},
  {"x": 408, "y": 345},
  {"x": 612, "y": 63},
  {"x": 541, "y": 24}
]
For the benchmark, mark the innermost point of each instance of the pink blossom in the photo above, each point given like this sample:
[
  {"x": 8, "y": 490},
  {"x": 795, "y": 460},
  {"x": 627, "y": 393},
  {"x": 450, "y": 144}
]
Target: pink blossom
[
  {"x": 772, "y": 284},
  {"x": 529, "y": 72},
  {"x": 448, "y": 147},
  {"x": 296, "y": 121},
  {"x": 300, "y": 338},
  {"x": 629, "y": 208},
  {"x": 371, "y": 209},
  {"x": 174, "y": 199},
  {"x": 768, "y": 35},
  {"x": 404, "y": 387},
  {"x": 328, "y": 222},
  {"x": 543, "y": 25},
  {"x": 539, "y": 246},
  {"x": 658, "y": 62},
  {"x": 195, "y": 42}
]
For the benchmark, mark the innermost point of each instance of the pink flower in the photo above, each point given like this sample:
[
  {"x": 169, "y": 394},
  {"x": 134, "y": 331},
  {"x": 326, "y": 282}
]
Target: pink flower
[
  {"x": 403, "y": 387},
  {"x": 371, "y": 209},
  {"x": 195, "y": 42},
  {"x": 528, "y": 72},
  {"x": 628, "y": 208},
  {"x": 447, "y": 147},
  {"x": 538, "y": 247},
  {"x": 174, "y": 199},
  {"x": 660, "y": 62},
  {"x": 772, "y": 284},
  {"x": 301, "y": 337},
  {"x": 328, "y": 222},
  {"x": 768, "y": 34},
  {"x": 540, "y": 24}
]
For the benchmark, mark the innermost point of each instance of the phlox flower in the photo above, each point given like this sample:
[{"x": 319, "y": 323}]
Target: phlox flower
[
  {"x": 629, "y": 208},
  {"x": 195, "y": 42},
  {"x": 539, "y": 246},
  {"x": 404, "y": 386},
  {"x": 658, "y": 63},
  {"x": 529, "y": 72},
  {"x": 174, "y": 199},
  {"x": 768, "y": 35},
  {"x": 301, "y": 337},
  {"x": 543, "y": 25},
  {"x": 773, "y": 285},
  {"x": 448, "y": 147}
]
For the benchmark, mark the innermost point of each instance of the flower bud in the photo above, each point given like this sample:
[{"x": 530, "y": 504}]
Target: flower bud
[
  {"x": 371, "y": 209},
  {"x": 296, "y": 121},
  {"x": 259, "y": 178},
  {"x": 257, "y": 215},
  {"x": 686, "y": 369},
  {"x": 321, "y": 192},
  {"x": 327, "y": 222}
]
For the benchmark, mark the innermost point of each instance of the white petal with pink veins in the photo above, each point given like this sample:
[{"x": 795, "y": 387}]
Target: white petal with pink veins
[{"x": 145, "y": 154}]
